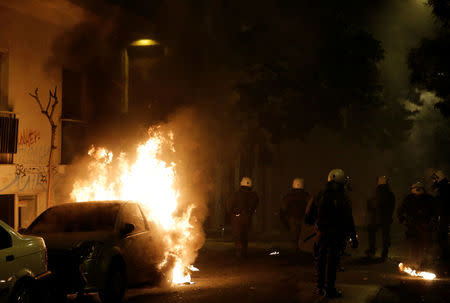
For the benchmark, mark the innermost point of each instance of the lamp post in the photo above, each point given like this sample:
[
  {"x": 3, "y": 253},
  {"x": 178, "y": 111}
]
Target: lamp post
[{"x": 126, "y": 68}]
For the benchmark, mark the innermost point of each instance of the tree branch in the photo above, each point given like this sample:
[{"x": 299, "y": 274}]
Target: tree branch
[
  {"x": 36, "y": 97},
  {"x": 52, "y": 97},
  {"x": 49, "y": 100},
  {"x": 55, "y": 98}
]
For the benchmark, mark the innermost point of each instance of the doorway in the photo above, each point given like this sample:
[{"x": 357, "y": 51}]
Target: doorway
[
  {"x": 7, "y": 209},
  {"x": 27, "y": 208}
]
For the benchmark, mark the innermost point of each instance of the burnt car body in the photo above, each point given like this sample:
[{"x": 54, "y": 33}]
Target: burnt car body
[{"x": 97, "y": 246}]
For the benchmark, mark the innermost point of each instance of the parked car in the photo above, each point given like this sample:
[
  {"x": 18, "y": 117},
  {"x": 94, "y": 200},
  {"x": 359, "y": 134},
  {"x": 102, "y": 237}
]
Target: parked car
[
  {"x": 98, "y": 246},
  {"x": 23, "y": 264}
]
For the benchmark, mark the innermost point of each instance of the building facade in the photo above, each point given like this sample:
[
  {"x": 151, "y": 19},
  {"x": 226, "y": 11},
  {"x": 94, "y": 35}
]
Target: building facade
[{"x": 28, "y": 30}]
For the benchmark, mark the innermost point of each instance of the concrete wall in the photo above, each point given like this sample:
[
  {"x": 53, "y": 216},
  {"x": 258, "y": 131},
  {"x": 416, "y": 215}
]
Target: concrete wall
[{"x": 27, "y": 32}]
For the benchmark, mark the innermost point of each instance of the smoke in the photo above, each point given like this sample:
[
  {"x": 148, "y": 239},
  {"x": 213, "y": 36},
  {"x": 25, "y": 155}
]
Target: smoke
[
  {"x": 189, "y": 91},
  {"x": 198, "y": 141},
  {"x": 399, "y": 25},
  {"x": 429, "y": 142},
  {"x": 181, "y": 93},
  {"x": 171, "y": 175}
]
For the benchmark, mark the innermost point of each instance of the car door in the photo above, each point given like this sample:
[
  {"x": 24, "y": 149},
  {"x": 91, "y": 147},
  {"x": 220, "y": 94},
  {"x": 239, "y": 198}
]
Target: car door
[
  {"x": 6, "y": 263},
  {"x": 154, "y": 247},
  {"x": 134, "y": 245}
]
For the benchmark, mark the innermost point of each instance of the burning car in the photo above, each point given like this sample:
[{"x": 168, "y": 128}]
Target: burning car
[{"x": 97, "y": 246}]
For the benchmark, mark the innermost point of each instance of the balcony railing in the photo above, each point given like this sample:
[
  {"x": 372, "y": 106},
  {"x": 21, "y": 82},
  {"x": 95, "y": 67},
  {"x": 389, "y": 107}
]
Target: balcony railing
[{"x": 9, "y": 129}]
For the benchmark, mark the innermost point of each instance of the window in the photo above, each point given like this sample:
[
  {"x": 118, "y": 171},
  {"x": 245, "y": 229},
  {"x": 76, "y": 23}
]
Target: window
[
  {"x": 72, "y": 95},
  {"x": 8, "y": 122},
  {"x": 4, "y": 81},
  {"x": 5, "y": 239},
  {"x": 78, "y": 217},
  {"x": 73, "y": 126},
  {"x": 9, "y": 126},
  {"x": 132, "y": 214}
]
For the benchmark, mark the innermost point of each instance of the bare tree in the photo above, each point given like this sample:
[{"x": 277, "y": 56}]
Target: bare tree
[{"x": 48, "y": 112}]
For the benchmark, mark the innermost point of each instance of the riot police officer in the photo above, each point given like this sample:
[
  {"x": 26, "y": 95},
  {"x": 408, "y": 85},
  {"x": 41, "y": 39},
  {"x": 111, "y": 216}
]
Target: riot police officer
[
  {"x": 331, "y": 212},
  {"x": 380, "y": 209},
  {"x": 241, "y": 206},
  {"x": 293, "y": 208},
  {"x": 418, "y": 214},
  {"x": 442, "y": 185}
]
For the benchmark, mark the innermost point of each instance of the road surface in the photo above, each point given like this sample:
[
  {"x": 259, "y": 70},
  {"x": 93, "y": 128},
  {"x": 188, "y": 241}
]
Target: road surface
[{"x": 287, "y": 277}]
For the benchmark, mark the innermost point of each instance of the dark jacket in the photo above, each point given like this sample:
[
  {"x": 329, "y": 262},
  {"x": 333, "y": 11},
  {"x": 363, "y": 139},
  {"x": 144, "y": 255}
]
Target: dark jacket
[
  {"x": 417, "y": 213},
  {"x": 244, "y": 202},
  {"x": 294, "y": 204},
  {"x": 443, "y": 202},
  {"x": 331, "y": 211},
  {"x": 380, "y": 207}
]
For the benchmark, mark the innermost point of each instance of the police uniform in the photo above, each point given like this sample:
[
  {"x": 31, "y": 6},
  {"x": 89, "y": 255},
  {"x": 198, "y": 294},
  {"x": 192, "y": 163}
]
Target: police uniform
[
  {"x": 332, "y": 214},
  {"x": 380, "y": 209},
  {"x": 292, "y": 211},
  {"x": 418, "y": 214},
  {"x": 241, "y": 206},
  {"x": 443, "y": 207}
]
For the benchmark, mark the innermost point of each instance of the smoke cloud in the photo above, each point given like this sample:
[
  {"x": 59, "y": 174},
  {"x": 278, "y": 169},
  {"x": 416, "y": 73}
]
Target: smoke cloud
[
  {"x": 190, "y": 92},
  {"x": 399, "y": 25},
  {"x": 175, "y": 196}
]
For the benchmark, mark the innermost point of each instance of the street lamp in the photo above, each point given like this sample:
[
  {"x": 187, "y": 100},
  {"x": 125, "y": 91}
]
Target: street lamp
[{"x": 145, "y": 42}]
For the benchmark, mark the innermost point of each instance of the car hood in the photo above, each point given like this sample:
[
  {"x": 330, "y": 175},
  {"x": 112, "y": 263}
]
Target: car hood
[
  {"x": 66, "y": 241},
  {"x": 26, "y": 245}
]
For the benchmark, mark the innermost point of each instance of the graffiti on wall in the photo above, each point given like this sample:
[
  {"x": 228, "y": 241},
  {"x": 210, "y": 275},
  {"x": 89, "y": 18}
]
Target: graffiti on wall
[
  {"x": 29, "y": 137},
  {"x": 30, "y": 149},
  {"x": 26, "y": 179},
  {"x": 29, "y": 174}
]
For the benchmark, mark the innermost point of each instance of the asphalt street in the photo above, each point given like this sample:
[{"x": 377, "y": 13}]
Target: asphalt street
[{"x": 287, "y": 277}]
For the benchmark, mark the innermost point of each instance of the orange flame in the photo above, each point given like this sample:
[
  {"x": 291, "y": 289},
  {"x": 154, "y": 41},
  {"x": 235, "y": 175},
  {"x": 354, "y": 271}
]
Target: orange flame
[
  {"x": 150, "y": 181},
  {"x": 412, "y": 272}
]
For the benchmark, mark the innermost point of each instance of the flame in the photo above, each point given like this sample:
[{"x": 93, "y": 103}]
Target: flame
[
  {"x": 151, "y": 182},
  {"x": 412, "y": 272},
  {"x": 180, "y": 274}
]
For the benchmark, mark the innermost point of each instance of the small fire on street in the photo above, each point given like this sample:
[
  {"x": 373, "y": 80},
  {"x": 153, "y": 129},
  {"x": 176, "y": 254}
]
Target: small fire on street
[
  {"x": 412, "y": 272},
  {"x": 151, "y": 182}
]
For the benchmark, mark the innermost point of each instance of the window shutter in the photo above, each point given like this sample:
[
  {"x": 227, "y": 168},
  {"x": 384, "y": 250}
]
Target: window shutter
[{"x": 9, "y": 129}]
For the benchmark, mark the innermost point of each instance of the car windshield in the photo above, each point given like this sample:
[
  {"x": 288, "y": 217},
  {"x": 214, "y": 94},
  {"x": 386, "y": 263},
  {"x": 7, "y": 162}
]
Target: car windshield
[{"x": 77, "y": 217}]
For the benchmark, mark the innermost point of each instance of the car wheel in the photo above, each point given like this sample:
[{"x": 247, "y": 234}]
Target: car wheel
[
  {"x": 115, "y": 286},
  {"x": 21, "y": 293}
]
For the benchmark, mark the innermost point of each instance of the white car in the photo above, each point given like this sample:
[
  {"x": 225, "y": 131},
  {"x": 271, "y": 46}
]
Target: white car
[{"x": 23, "y": 262}]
